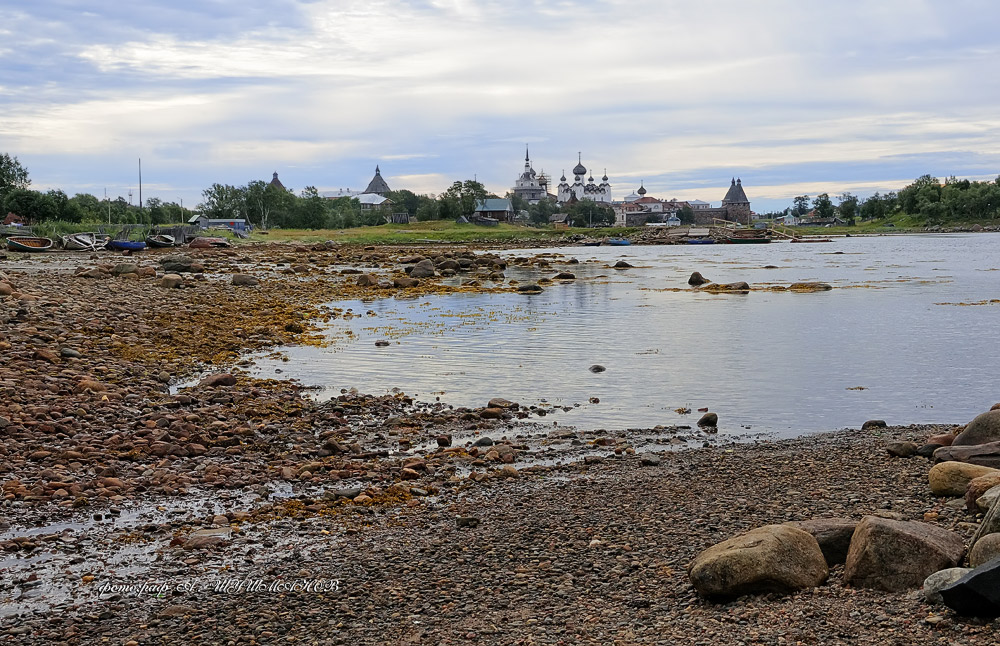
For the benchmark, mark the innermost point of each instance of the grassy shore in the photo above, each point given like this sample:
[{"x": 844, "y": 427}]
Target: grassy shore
[{"x": 433, "y": 231}]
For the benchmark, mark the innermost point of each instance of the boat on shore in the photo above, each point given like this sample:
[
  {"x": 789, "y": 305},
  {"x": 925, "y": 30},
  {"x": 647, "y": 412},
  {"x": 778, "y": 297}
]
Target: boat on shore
[
  {"x": 208, "y": 243},
  {"x": 700, "y": 241},
  {"x": 160, "y": 241},
  {"x": 812, "y": 240},
  {"x": 617, "y": 242},
  {"x": 126, "y": 245},
  {"x": 83, "y": 241},
  {"x": 592, "y": 243},
  {"x": 29, "y": 244}
]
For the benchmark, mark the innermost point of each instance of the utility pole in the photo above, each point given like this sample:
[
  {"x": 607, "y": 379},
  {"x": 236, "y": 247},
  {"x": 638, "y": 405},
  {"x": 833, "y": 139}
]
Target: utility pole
[{"x": 140, "y": 182}]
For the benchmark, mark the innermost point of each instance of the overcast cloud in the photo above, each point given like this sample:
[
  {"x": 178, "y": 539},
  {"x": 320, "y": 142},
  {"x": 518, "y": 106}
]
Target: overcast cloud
[{"x": 792, "y": 96}]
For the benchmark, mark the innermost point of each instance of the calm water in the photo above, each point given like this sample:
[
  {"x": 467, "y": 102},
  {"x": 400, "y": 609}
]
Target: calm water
[{"x": 783, "y": 363}]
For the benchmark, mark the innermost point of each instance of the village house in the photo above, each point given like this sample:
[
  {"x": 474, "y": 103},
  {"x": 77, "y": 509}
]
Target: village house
[{"x": 499, "y": 209}]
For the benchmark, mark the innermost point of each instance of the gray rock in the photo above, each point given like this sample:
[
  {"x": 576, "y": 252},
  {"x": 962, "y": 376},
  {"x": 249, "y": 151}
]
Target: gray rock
[
  {"x": 774, "y": 558},
  {"x": 895, "y": 555},
  {"x": 940, "y": 580},
  {"x": 990, "y": 525},
  {"x": 244, "y": 280},
  {"x": 902, "y": 449},
  {"x": 832, "y": 534},
  {"x": 697, "y": 279},
  {"x": 596, "y": 368},
  {"x": 423, "y": 269},
  {"x": 483, "y": 441},
  {"x": 125, "y": 268},
  {"x": 650, "y": 460},
  {"x": 500, "y": 402},
  {"x": 709, "y": 419},
  {"x": 983, "y": 429},
  {"x": 988, "y": 499},
  {"x": 171, "y": 281},
  {"x": 70, "y": 353},
  {"x": 987, "y": 455},
  {"x": 180, "y": 264},
  {"x": 467, "y": 521},
  {"x": 985, "y": 550}
]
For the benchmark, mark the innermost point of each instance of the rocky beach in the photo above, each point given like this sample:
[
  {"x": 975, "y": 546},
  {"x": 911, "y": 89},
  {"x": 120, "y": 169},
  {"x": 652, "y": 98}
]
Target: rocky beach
[{"x": 154, "y": 492}]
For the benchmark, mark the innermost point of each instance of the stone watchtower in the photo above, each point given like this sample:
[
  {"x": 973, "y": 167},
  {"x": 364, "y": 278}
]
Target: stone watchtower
[{"x": 736, "y": 204}]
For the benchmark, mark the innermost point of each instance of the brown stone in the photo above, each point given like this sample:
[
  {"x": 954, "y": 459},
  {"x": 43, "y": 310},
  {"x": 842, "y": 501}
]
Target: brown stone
[
  {"x": 894, "y": 555},
  {"x": 774, "y": 558}
]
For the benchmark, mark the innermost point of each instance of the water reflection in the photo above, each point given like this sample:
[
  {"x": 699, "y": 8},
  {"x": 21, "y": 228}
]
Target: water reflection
[{"x": 771, "y": 361}]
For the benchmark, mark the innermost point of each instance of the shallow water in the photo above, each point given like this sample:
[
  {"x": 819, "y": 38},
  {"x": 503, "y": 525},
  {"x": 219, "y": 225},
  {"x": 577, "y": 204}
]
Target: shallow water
[{"x": 781, "y": 363}]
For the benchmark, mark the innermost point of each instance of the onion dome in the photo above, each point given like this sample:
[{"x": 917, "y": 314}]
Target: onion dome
[
  {"x": 579, "y": 169},
  {"x": 642, "y": 190},
  {"x": 563, "y": 178},
  {"x": 605, "y": 178}
]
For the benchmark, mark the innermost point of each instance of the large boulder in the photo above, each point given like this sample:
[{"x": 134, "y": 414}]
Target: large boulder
[
  {"x": 987, "y": 500},
  {"x": 977, "y": 593},
  {"x": 832, "y": 534},
  {"x": 774, "y": 558},
  {"x": 985, "y": 550},
  {"x": 423, "y": 269},
  {"x": 697, "y": 279},
  {"x": 953, "y": 478},
  {"x": 990, "y": 525},
  {"x": 987, "y": 455},
  {"x": 244, "y": 280},
  {"x": 983, "y": 429},
  {"x": 978, "y": 487},
  {"x": 180, "y": 264},
  {"x": 894, "y": 555}
]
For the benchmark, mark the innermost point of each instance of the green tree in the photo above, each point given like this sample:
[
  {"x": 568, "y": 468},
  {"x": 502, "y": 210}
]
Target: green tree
[
  {"x": 587, "y": 213},
  {"x": 801, "y": 206},
  {"x": 223, "y": 201},
  {"x": 823, "y": 206},
  {"x": 541, "y": 212},
  {"x": 31, "y": 205},
  {"x": 847, "y": 209},
  {"x": 12, "y": 175},
  {"x": 461, "y": 197},
  {"x": 686, "y": 214}
]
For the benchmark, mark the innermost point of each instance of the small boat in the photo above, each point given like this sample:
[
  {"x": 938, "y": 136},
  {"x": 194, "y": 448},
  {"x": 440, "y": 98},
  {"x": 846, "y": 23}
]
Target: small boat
[
  {"x": 83, "y": 242},
  {"x": 747, "y": 240},
  {"x": 812, "y": 240},
  {"x": 592, "y": 243},
  {"x": 618, "y": 242},
  {"x": 126, "y": 245},
  {"x": 28, "y": 243},
  {"x": 160, "y": 241},
  {"x": 208, "y": 243},
  {"x": 701, "y": 241}
]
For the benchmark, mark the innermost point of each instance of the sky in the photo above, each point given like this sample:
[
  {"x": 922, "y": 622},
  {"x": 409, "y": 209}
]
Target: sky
[{"x": 792, "y": 96}]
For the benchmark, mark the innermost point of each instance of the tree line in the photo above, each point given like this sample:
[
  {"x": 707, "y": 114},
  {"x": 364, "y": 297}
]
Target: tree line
[
  {"x": 33, "y": 206},
  {"x": 926, "y": 201}
]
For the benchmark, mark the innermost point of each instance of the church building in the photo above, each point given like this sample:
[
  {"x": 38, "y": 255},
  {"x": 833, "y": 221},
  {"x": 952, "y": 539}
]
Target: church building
[
  {"x": 531, "y": 187},
  {"x": 578, "y": 190}
]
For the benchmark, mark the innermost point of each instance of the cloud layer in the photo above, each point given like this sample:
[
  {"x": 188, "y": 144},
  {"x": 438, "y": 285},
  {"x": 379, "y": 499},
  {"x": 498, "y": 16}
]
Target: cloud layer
[{"x": 792, "y": 96}]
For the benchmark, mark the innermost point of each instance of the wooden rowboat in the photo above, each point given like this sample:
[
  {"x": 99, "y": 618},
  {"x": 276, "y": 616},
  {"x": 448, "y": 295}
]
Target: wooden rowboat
[
  {"x": 208, "y": 243},
  {"x": 160, "y": 241},
  {"x": 29, "y": 244},
  {"x": 812, "y": 240},
  {"x": 83, "y": 242}
]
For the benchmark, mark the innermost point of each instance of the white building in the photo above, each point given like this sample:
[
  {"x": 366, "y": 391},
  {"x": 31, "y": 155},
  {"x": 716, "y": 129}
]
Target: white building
[
  {"x": 581, "y": 191},
  {"x": 531, "y": 187}
]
